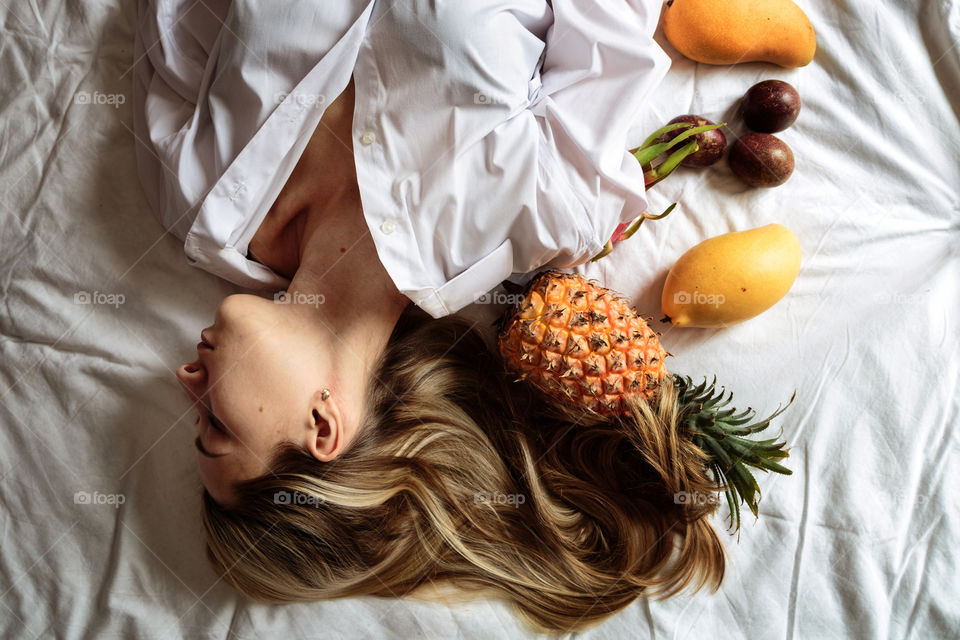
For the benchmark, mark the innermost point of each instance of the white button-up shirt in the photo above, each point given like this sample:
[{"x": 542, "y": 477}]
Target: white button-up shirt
[{"x": 489, "y": 135}]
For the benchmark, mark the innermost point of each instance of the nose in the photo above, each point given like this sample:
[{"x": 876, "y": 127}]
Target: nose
[{"x": 193, "y": 378}]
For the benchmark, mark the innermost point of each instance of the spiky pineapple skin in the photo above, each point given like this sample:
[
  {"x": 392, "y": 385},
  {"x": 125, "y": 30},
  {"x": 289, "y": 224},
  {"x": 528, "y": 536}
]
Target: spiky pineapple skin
[{"x": 582, "y": 344}]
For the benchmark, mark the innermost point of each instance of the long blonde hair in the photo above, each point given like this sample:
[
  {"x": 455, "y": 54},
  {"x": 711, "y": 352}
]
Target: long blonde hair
[{"x": 462, "y": 477}]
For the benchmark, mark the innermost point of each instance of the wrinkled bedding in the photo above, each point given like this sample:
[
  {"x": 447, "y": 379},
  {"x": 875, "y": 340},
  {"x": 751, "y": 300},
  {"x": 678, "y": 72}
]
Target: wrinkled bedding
[{"x": 99, "y": 508}]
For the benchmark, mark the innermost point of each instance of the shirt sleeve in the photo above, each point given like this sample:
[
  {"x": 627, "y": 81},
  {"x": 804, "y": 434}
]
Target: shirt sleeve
[
  {"x": 174, "y": 45},
  {"x": 600, "y": 66},
  {"x": 177, "y": 37}
]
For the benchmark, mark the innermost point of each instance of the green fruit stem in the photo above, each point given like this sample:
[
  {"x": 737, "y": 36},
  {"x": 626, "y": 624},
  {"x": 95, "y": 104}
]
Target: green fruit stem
[
  {"x": 665, "y": 168},
  {"x": 607, "y": 248},
  {"x": 653, "y": 137},
  {"x": 648, "y": 152},
  {"x": 632, "y": 229}
]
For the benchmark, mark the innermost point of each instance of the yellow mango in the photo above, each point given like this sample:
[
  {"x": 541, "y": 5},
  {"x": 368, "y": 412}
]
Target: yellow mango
[
  {"x": 732, "y": 31},
  {"x": 731, "y": 277}
]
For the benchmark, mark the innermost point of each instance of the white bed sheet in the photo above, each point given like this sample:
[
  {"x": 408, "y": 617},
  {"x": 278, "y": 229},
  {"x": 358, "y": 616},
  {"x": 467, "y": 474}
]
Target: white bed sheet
[{"x": 860, "y": 542}]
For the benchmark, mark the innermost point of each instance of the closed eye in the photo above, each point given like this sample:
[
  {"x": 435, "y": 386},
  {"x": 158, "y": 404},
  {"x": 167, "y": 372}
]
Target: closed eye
[
  {"x": 198, "y": 443},
  {"x": 216, "y": 423}
]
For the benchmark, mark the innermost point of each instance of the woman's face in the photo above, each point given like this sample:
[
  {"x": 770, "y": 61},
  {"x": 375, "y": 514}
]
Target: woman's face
[{"x": 257, "y": 382}]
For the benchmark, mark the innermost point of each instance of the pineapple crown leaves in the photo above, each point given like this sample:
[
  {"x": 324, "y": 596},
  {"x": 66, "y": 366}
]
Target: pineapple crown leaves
[{"x": 722, "y": 432}]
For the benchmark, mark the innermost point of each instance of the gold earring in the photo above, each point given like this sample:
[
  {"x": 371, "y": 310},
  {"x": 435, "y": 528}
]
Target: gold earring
[{"x": 325, "y": 394}]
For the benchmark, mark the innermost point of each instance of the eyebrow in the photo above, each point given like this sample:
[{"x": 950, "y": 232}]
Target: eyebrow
[{"x": 203, "y": 451}]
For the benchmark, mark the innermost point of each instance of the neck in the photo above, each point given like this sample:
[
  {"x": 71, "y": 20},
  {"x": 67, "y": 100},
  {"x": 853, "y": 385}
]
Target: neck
[{"x": 358, "y": 304}]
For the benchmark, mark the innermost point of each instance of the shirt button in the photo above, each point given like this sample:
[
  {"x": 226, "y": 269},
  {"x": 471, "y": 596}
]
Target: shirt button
[
  {"x": 368, "y": 137},
  {"x": 388, "y": 227}
]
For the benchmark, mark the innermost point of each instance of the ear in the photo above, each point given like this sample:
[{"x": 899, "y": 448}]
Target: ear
[{"x": 327, "y": 438}]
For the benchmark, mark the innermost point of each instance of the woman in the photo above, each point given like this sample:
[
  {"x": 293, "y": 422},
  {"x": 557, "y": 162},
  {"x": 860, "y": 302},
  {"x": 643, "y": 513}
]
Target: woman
[
  {"x": 341, "y": 309},
  {"x": 349, "y": 443}
]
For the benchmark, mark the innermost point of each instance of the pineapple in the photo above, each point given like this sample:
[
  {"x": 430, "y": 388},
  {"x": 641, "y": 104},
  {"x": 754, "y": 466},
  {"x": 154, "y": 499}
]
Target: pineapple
[{"x": 583, "y": 345}]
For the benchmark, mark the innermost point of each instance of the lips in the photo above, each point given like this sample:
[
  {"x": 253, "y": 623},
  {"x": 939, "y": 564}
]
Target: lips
[{"x": 204, "y": 342}]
